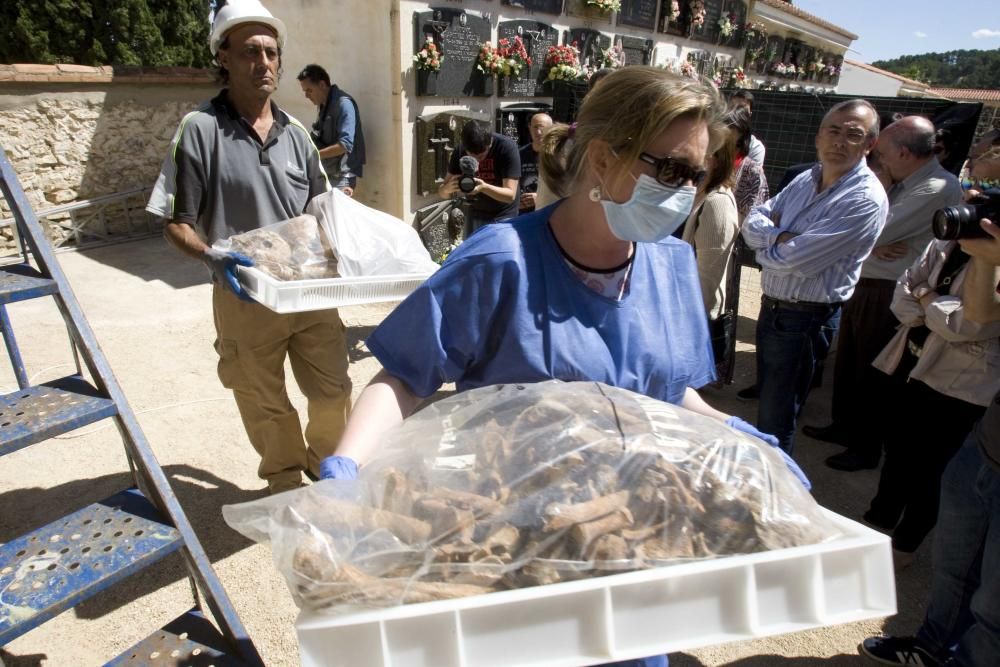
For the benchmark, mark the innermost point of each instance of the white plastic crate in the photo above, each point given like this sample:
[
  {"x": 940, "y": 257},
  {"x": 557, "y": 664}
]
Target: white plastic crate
[
  {"x": 629, "y": 615},
  {"x": 295, "y": 296}
]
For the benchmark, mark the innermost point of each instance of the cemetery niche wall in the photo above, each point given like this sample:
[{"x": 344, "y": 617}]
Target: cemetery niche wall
[{"x": 457, "y": 34}]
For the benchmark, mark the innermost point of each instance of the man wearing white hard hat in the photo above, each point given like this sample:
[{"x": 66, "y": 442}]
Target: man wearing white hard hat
[{"x": 236, "y": 164}]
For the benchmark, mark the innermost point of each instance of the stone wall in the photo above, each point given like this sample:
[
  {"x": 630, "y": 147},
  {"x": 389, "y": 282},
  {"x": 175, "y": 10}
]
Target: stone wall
[{"x": 74, "y": 133}]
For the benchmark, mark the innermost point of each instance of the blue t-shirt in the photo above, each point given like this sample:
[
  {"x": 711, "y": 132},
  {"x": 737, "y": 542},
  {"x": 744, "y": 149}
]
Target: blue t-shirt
[{"x": 505, "y": 308}]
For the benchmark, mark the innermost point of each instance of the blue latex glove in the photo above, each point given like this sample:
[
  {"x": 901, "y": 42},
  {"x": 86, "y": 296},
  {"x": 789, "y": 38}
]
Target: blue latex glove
[
  {"x": 744, "y": 426},
  {"x": 338, "y": 467},
  {"x": 223, "y": 266}
]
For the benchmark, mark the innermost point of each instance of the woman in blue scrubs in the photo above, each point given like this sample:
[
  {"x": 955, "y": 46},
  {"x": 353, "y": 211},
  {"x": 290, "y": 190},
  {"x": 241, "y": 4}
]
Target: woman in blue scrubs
[{"x": 590, "y": 288}]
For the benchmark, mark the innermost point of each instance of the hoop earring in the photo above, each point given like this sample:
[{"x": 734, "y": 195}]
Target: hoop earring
[{"x": 594, "y": 194}]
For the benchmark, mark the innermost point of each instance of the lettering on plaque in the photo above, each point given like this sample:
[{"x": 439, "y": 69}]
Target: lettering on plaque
[
  {"x": 537, "y": 37},
  {"x": 459, "y": 34},
  {"x": 638, "y": 13}
]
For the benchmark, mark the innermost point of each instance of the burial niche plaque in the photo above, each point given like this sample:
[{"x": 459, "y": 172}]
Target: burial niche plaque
[
  {"x": 544, "y": 6},
  {"x": 590, "y": 43},
  {"x": 437, "y": 137},
  {"x": 637, "y": 51},
  {"x": 640, "y": 13},
  {"x": 458, "y": 35},
  {"x": 580, "y": 9},
  {"x": 537, "y": 37}
]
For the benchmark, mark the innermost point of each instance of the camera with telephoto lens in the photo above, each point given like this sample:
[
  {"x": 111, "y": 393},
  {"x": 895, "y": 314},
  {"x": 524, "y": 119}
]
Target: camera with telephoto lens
[
  {"x": 467, "y": 181},
  {"x": 962, "y": 221}
]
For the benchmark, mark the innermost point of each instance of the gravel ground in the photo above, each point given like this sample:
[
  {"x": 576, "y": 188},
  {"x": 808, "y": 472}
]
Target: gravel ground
[{"x": 151, "y": 311}]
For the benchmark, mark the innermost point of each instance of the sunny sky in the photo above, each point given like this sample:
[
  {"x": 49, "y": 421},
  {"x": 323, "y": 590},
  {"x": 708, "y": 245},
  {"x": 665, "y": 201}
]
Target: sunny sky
[{"x": 891, "y": 28}]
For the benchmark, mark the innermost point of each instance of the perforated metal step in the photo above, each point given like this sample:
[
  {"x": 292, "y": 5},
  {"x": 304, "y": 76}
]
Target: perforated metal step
[
  {"x": 19, "y": 282},
  {"x": 38, "y": 413},
  {"x": 44, "y": 573},
  {"x": 188, "y": 641}
]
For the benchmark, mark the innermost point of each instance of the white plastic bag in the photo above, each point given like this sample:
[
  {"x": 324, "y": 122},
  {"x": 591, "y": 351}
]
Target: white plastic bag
[
  {"x": 369, "y": 242},
  {"x": 520, "y": 485}
]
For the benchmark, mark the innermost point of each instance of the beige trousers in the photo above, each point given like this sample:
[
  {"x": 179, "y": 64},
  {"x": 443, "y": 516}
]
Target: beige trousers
[{"x": 252, "y": 342}]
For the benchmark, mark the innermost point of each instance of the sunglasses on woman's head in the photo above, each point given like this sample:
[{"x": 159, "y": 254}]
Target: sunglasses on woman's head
[{"x": 673, "y": 173}]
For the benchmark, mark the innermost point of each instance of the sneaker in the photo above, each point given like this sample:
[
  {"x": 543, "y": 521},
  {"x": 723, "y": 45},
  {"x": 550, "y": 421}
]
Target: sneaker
[
  {"x": 899, "y": 651},
  {"x": 851, "y": 461},
  {"x": 751, "y": 393}
]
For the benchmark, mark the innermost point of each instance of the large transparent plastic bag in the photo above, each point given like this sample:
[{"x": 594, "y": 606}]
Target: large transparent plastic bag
[
  {"x": 369, "y": 242},
  {"x": 293, "y": 249},
  {"x": 520, "y": 485}
]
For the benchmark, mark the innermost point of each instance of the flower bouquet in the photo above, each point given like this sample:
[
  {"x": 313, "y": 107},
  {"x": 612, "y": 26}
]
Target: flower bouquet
[
  {"x": 606, "y": 6},
  {"x": 727, "y": 25},
  {"x": 737, "y": 78},
  {"x": 697, "y": 8},
  {"x": 689, "y": 70},
  {"x": 429, "y": 58},
  {"x": 513, "y": 55},
  {"x": 563, "y": 63},
  {"x": 611, "y": 58},
  {"x": 488, "y": 62}
]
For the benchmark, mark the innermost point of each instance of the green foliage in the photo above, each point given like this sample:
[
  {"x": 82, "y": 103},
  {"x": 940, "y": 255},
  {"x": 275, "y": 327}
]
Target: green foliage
[
  {"x": 967, "y": 68},
  {"x": 106, "y": 32}
]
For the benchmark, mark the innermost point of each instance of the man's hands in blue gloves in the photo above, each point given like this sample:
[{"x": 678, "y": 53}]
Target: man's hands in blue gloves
[
  {"x": 744, "y": 426},
  {"x": 338, "y": 467},
  {"x": 223, "y": 266}
]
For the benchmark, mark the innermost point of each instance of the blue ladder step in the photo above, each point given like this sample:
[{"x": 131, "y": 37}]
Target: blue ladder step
[
  {"x": 44, "y": 411},
  {"x": 19, "y": 282},
  {"x": 54, "y": 568},
  {"x": 188, "y": 641}
]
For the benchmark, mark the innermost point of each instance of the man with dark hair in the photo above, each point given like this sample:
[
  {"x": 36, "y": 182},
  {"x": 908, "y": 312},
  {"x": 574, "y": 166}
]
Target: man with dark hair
[
  {"x": 744, "y": 99},
  {"x": 497, "y": 174},
  {"x": 810, "y": 241},
  {"x": 539, "y": 122},
  {"x": 236, "y": 164},
  {"x": 337, "y": 131},
  {"x": 905, "y": 151}
]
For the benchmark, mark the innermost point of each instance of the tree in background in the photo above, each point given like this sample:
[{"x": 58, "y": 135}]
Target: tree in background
[
  {"x": 966, "y": 68},
  {"x": 106, "y": 32}
]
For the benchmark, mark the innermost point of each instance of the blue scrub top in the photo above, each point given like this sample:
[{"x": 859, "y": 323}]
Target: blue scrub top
[{"x": 506, "y": 308}]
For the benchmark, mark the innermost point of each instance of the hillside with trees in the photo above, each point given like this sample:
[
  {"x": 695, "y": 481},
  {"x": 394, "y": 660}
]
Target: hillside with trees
[
  {"x": 98, "y": 32},
  {"x": 954, "y": 69}
]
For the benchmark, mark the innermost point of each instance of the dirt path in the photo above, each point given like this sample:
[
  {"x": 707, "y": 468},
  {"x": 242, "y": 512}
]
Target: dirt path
[{"x": 151, "y": 312}]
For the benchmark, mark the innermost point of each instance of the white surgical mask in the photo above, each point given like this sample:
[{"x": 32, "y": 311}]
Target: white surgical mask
[{"x": 652, "y": 213}]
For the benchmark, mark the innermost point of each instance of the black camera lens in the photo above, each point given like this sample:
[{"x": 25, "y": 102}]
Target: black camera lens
[
  {"x": 466, "y": 184},
  {"x": 959, "y": 222}
]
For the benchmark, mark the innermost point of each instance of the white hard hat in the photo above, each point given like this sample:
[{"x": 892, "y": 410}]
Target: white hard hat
[{"x": 238, "y": 12}]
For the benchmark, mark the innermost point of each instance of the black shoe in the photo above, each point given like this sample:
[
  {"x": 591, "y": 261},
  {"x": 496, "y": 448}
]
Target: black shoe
[
  {"x": 876, "y": 521},
  {"x": 308, "y": 473},
  {"x": 851, "y": 461},
  {"x": 831, "y": 433},
  {"x": 899, "y": 651},
  {"x": 751, "y": 393}
]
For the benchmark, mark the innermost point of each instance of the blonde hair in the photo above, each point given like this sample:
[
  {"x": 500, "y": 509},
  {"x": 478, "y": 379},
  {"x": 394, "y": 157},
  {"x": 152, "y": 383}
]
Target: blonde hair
[{"x": 630, "y": 109}]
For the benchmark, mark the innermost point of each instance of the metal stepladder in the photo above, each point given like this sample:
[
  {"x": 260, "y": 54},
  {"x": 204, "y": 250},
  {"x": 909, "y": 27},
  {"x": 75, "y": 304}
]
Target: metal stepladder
[{"x": 57, "y": 566}]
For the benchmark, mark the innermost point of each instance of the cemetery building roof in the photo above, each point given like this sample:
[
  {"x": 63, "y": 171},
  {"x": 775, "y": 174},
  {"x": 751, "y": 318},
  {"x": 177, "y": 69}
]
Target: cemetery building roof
[
  {"x": 806, "y": 16},
  {"x": 967, "y": 94}
]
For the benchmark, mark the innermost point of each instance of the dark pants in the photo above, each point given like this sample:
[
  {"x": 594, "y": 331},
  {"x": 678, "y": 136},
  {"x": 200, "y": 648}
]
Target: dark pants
[
  {"x": 926, "y": 429},
  {"x": 790, "y": 338},
  {"x": 964, "y": 608},
  {"x": 866, "y": 327}
]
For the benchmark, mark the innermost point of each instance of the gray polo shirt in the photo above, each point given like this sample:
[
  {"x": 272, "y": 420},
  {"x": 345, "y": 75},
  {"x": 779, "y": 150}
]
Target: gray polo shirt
[{"x": 222, "y": 180}]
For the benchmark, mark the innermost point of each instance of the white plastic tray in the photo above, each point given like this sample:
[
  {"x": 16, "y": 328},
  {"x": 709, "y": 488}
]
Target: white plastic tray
[
  {"x": 621, "y": 616},
  {"x": 295, "y": 296}
]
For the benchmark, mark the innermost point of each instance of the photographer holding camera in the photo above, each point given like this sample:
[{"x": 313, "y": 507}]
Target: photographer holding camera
[
  {"x": 961, "y": 626},
  {"x": 486, "y": 170},
  {"x": 945, "y": 364}
]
